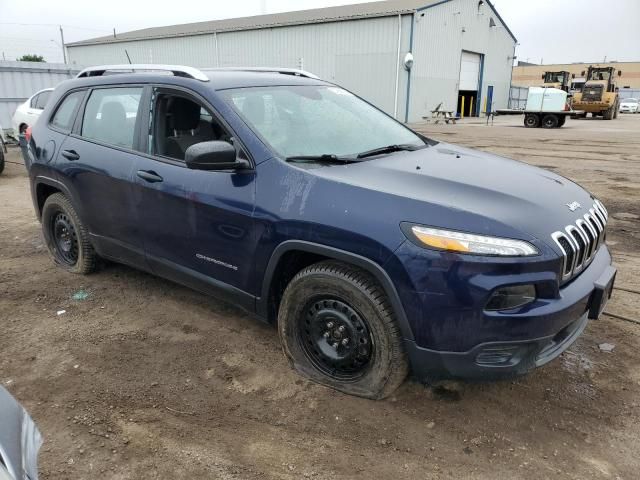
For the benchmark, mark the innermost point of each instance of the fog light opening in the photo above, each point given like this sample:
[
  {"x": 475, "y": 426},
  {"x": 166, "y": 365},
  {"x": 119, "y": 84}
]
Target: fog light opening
[{"x": 508, "y": 298}]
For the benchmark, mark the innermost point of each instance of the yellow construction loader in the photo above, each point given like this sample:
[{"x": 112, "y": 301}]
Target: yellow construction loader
[
  {"x": 560, "y": 80},
  {"x": 599, "y": 95}
]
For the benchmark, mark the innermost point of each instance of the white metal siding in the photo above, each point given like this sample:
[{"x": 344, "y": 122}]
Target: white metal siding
[
  {"x": 20, "y": 80},
  {"x": 360, "y": 55},
  {"x": 469, "y": 71},
  {"x": 440, "y": 37}
]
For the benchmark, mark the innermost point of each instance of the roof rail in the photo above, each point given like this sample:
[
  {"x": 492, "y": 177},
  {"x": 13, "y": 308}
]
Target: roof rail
[
  {"x": 177, "y": 70},
  {"x": 285, "y": 71}
]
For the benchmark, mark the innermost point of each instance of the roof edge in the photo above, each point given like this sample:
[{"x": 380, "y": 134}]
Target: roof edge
[{"x": 109, "y": 40}]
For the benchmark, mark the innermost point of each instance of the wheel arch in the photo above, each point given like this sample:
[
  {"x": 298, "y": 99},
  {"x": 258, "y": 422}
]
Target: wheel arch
[
  {"x": 44, "y": 187},
  {"x": 318, "y": 252}
]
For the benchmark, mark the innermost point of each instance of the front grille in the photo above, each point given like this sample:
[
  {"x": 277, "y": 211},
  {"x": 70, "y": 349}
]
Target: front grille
[
  {"x": 580, "y": 241},
  {"x": 592, "y": 93}
]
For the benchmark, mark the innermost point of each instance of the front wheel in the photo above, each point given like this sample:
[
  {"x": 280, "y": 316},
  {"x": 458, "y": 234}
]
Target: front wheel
[
  {"x": 337, "y": 327},
  {"x": 66, "y": 237},
  {"x": 1, "y": 157}
]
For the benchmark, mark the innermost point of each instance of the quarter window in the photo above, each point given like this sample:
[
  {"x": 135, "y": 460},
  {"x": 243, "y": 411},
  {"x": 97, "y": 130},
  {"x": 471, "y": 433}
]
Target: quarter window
[
  {"x": 34, "y": 100},
  {"x": 64, "y": 116},
  {"x": 110, "y": 115}
]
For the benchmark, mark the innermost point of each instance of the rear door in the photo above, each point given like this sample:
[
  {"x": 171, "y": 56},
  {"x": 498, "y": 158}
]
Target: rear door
[
  {"x": 198, "y": 226},
  {"x": 97, "y": 162}
]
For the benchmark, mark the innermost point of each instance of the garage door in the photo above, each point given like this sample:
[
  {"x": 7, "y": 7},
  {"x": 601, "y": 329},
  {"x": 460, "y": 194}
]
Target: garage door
[{"x": 469, "y": 71}]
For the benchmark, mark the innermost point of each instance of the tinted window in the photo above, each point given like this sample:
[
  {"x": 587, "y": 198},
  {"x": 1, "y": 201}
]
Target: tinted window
[
  {"x": 43, "y": 98},
  {"x": 110, "y": 115},
  {"x": 64, "y": 116}
]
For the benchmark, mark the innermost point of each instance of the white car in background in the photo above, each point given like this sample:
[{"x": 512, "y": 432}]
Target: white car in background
[
  {"x": 629, "y": 105},
  {"x": 28, "y": 112}
]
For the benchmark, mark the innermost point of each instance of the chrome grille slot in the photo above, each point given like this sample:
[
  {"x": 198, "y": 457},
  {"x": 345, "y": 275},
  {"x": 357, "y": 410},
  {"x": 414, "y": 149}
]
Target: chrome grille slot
[{"x": 579, "y": 241}]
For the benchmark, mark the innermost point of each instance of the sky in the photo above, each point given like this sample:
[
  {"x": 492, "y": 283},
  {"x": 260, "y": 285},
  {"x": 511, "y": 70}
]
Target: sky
[{"x": 548, "y": 31}]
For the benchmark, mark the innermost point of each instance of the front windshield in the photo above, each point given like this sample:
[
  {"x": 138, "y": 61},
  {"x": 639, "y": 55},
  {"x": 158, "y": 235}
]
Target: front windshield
[
  {"x": 599, "y": 75},
  {"x": 315, "y": 120},
  {"x": 630, "y": 100},
  {"x": 554, "y": 77}
]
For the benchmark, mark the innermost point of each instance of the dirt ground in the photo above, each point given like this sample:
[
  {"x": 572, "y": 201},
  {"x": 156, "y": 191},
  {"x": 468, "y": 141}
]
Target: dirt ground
[{"x": 147, "y": 379}]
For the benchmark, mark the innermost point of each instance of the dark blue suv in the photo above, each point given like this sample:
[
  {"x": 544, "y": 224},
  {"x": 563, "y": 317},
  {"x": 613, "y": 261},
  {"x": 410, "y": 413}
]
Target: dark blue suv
[{"x": 375, "y": 250}]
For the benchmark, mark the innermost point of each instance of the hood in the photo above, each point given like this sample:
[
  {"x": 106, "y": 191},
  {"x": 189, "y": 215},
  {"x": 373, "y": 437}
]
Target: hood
[{"x": 451, "y": 185}]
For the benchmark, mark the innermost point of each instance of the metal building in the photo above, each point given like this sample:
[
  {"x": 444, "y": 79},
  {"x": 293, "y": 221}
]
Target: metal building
[{"x": 460, "y": 48}]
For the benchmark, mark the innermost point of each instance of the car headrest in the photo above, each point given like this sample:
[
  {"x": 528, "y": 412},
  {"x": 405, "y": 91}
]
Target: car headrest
[
  {"x": 113, "y": 113},
  {"x": 186, "y": 114}
]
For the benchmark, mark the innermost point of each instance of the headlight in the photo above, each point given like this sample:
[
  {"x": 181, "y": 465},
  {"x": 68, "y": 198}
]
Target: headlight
[{"x": 469, "y": 243}]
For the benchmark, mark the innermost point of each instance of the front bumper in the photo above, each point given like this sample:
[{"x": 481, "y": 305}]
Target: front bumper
[
  {"x": 454, "y": 337},
  {"x": 493, "y": 360}
]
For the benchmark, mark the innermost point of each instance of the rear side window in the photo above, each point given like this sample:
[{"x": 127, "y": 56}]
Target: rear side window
[
  {"x": 64, "y": 116},
  {"x": 34, "y": 100},
  {"x": 42, "y": 100},
  {"x": 110, "y": 115}
]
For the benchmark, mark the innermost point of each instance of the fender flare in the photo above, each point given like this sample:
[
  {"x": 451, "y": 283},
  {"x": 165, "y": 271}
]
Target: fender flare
[
  {"x": 348, "y": 257},
  {"x": 52, "y": 182}
]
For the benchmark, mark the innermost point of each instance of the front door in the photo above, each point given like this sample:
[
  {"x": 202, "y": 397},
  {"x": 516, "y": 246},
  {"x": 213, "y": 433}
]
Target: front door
[{"x": 197, "y": 226}]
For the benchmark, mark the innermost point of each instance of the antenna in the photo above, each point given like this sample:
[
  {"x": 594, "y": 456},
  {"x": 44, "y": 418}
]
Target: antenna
[{"x": 128, "y": 57}]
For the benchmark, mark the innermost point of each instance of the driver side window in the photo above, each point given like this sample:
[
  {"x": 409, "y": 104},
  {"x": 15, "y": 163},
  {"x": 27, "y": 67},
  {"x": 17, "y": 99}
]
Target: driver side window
[{"x": 179, "y": 122}]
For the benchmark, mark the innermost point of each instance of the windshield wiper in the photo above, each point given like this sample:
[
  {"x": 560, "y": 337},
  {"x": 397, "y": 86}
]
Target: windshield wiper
[
  {"x": 388, "y": 149},
  {"x": 326, "y": 158}
]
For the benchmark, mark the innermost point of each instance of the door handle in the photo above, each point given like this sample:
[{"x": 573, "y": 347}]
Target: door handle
[
  {"x": 149, "y": 176},
  {"x": 70, "y": 155}
]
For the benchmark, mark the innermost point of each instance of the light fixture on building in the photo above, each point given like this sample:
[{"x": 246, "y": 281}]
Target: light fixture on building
[{"x": 408, "y": 61}]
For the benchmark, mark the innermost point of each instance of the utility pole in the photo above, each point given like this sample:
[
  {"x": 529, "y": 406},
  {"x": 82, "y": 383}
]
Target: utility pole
[{"x": 64, "y": 52}]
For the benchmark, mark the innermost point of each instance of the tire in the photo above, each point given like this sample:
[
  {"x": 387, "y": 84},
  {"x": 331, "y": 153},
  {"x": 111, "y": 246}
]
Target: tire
[
  {"x": 1, "y": 157},
  {"x": 550, "y": 121},
  {"x": 531, "y": 120},
  {"x": 66, "y": 236},
  {"x": 608, "y": 114},
  {"x": 319, "y": 301},
  {"x": 562, "y": 120}
]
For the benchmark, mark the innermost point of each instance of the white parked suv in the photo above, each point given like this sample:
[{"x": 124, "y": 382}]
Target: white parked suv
[{"x": 28, "y": 112}]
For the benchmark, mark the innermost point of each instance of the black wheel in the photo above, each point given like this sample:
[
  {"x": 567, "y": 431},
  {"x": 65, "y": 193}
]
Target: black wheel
[
  {"x": 608, "y": 114},
  {"x": 338, "y": 328},
  {"x": 1, "y": 157},
  {"x": 531, "y": 120},
  {"x": 66, "y": 237},
  {"x": 561, "y": 121},
  {"x": 550, "y": 121}
]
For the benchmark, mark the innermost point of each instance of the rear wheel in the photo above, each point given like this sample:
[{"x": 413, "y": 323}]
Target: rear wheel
[
  {"x": 531, "y": 120},
  {"x": 550, "y": 121},
  {"x": 338, "y": 328},
  {"x": 562, "y": 120},
  {"x": 66, "y": 236},
  {"x": 608, "y": 114},
  {"x": 1, "y": 157}
]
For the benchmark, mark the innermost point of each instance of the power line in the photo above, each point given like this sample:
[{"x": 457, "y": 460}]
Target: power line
[{"x": 55, "y": 25}]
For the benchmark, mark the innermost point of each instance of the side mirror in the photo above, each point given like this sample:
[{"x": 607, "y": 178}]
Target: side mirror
[
  {"x": 573, "y": 75},
  {"x": 543, "y": 76},
  {"x": 619, "y": 73},
  {"x": 213, "y": 156},
  {"x": 582, "y": 73}
]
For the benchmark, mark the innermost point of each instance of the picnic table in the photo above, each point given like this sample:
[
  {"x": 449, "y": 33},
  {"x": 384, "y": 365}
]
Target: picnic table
[{"x": 438, "y": 115}]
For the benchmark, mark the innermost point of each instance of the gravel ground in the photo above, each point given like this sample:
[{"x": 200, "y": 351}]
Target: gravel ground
[{"x": 147, "y": 379}]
